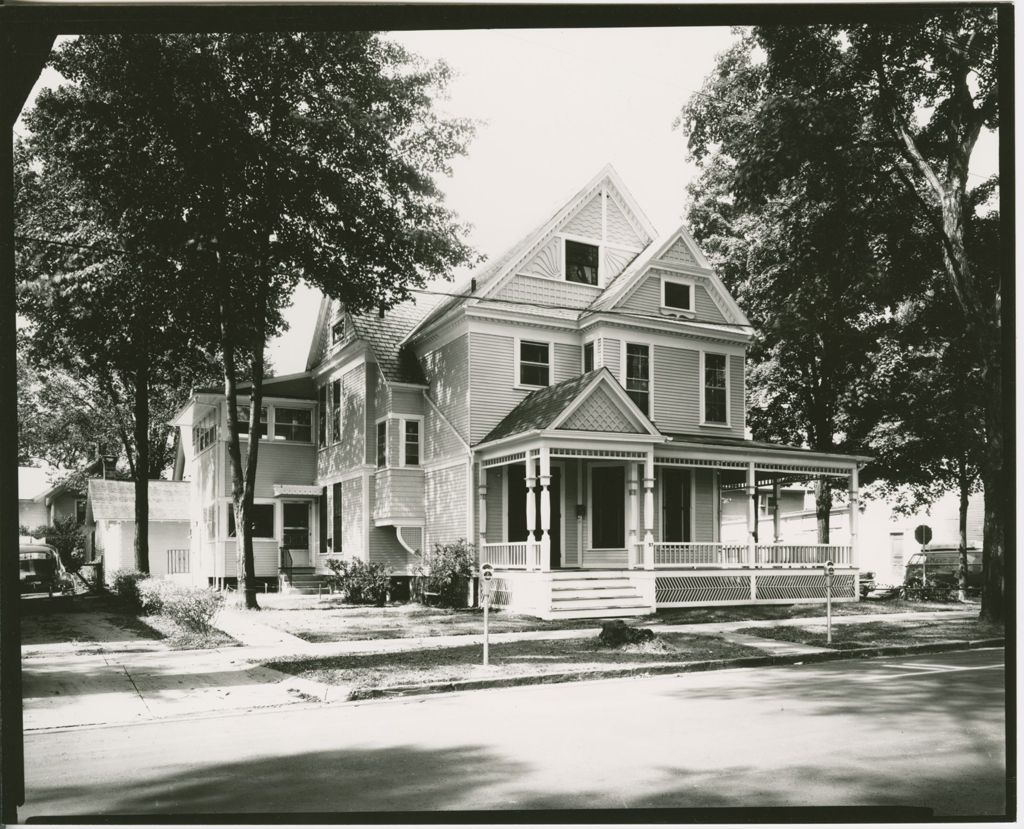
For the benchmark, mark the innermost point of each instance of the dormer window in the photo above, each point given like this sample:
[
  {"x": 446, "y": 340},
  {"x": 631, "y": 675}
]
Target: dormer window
[
  {"x": 581, "y": 262},
  {"x": 338, "y": 331},
  {"x": 677, "y": 294}
]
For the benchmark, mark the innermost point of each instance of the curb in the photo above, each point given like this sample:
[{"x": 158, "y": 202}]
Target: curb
[{"x": 676, "y": 668}]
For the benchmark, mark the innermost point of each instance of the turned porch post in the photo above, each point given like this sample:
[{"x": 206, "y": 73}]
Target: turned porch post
[
  {"x": 854, "y": 515},
  {"x": 751, "y": 514},
  {"x": 633, "y": 557},
  {"x": 545, "y": 509},
  {"x": 482, "y": 511},
  {"x": 531, "y": 513},
  {"x": 649, "y": 511},
  {"x": 776, "y": 520}
]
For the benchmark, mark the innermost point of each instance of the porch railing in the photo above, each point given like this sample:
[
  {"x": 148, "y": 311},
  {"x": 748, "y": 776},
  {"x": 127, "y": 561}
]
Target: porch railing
[
  {"x": 674, "y": 554},
  {"x": 769, "y": 554},
  {"x": 507, "y": 556},
  {"x": 177, "y": 561}
]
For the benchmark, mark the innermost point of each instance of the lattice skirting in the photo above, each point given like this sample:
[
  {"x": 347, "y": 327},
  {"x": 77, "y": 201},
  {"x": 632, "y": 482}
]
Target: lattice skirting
[
  {"x": 700, "y": 589},
  {"x": 501, "y": 592},
  {"x": 695, "y": 589},
  {"x": 809, "y": 586}
]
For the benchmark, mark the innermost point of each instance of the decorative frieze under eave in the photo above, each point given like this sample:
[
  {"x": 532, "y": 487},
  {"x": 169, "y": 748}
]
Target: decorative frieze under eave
[{"x": 304, "y": 490}]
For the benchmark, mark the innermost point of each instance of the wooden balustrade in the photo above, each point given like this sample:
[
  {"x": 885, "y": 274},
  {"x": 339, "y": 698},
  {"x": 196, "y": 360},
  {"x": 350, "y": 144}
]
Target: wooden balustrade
[
  {"x": 703, "y": 553},
  {"x": 508, "y": 556},
  {"x": 814, "y": 554}
]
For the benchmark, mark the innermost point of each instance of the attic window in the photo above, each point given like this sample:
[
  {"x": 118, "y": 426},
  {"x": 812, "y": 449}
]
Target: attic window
[
  {"x": 581, "y": 262},
  {"x": 338, "y": 331},
  {"x": 676, "y": 294}
]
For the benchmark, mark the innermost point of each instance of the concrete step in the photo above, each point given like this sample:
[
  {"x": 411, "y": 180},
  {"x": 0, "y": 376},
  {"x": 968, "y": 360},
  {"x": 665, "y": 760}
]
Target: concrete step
[
  {"x": 590, "y": 583},
  {"x": 608, "y": 593},
  {"x": 597, "y": 604}
]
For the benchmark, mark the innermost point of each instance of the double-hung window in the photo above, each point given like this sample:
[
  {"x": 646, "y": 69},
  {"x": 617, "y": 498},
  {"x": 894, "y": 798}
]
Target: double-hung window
[
  {"x": 534, "y": 364},
  {"x": 335, "y": 411},
  {"x": 677, "y": 293},
  {"x": 411, "y": 444},
  {"x": 382, "y": 443},
  {"x": 588, "y": 357},
  {"x": 321, "y": 418},
  {"x": 243, "y": 421},
  {"x": 261, "y": 517},
  {"x": 638, "y": 375},
  {"x": 715, "y": 389},
  {"x": 293, "y": 424}
]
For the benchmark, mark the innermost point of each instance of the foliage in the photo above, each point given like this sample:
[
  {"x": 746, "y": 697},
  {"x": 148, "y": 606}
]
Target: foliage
[
  {"x": 152, "y": 593},
  {"x": 67, "y": 537},
  {"x": 445, "y": 571},
  {"x": 125, "y": 584},
  {"x": 193, "y": 608},
  {"x": 272, "y": 158},
  {"x": 362, "y": 583}
]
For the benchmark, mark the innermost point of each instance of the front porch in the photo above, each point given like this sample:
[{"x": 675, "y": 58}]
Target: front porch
[{"x": 613, "y": 525}]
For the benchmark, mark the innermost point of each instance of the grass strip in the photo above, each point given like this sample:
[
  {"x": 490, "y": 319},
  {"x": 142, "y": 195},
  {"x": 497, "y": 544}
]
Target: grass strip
[{"x": 882, "y": 634}]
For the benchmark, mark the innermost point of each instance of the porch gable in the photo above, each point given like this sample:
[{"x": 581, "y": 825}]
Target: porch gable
[{"x": 600, "y": 412}]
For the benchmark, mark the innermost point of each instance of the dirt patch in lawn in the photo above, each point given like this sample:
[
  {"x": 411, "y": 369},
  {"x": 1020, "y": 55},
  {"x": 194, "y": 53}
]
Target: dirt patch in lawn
[
  {"x": 882, "y": 634},
  {"x": 753, "y": 613},
  {"x": 508, "y": 659},
  {"x": 328, "y": 619}
]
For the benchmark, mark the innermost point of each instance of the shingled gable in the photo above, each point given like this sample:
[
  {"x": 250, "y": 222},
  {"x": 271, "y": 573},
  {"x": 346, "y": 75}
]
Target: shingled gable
[
  {"x": 493, "y": 276},
  {"x": 555, "y": 407},
  {"x": 658, "y": 254}
]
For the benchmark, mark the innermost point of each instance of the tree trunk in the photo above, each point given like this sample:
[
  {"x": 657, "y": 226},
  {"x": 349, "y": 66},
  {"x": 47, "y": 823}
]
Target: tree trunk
[
  {"x": 141, "y": 467},
  {"x": 996, "y": 486},
  {"x": 823, "y": 508},
  {"x": 964, "y": 485}
]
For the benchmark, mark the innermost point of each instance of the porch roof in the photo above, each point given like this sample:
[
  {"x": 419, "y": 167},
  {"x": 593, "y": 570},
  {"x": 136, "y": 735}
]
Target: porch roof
[
  {"x": 679, "y": 439},
  {"x": 539, "y": 409}
]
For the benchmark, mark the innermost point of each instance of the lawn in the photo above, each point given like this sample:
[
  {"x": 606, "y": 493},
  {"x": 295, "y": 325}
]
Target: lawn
[
  {"x": 507, "y": 660},
  {"x": 882, "y": 634},
  {"x": 328, "y": 619}
]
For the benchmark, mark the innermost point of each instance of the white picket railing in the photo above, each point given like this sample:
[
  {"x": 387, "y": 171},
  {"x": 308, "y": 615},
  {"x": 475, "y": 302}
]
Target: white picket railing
[
  {"x": 769, "y": 554},
  {"x": 705, "y": 553},
  {"x": 508, "y": 556}
]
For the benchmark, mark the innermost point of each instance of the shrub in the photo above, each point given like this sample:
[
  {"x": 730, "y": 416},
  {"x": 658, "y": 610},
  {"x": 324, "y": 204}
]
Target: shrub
[
  {"x": 445, "y": 572},
  {"x": 361, "y": 583},
  {"x": 125, "y": 585},
  {"x": 191, "y": 607},
  {"x": 153, "y": 593},
  {"x": 67, "y": 537}
]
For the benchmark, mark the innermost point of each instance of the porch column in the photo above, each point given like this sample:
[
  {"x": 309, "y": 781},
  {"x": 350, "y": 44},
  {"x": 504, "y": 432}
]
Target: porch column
[
  {"x": 545, "y": 509},
  {"x": 482, "y": 511},
  {"x": 776, "y": 520},
  {"x": 751, "y": 514},
  {"x": 649, "y": 511},
  {"x": 531, "y": 512},
  {"x": 632, "y": 553},
  {"x": 854, "y": 515}
]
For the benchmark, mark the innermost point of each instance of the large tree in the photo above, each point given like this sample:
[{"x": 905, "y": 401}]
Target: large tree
[{"x": 287, "y": 157}]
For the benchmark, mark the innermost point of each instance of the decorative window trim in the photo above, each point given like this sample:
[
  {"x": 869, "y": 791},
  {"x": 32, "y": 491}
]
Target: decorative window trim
[
  {"x": 402, "y": 441},
  {"x": 728, "y": 385},
  {"x": 688, "y": 313},
  {"x": 518, "y": 343}
]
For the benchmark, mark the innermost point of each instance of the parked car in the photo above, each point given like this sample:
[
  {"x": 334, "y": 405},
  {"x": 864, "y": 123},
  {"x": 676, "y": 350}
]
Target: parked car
[
  {"x": 43, "y": 573},
  {"x": 941, "y": 566}
]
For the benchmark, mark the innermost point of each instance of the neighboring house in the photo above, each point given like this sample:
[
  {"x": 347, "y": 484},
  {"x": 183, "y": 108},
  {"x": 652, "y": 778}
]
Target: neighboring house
[
  {"x": 55, "y": 502},
  {"x": 110, "y": 527},
  {"x": 31, "y": 482},
  {"x": 577, "y": 410}
]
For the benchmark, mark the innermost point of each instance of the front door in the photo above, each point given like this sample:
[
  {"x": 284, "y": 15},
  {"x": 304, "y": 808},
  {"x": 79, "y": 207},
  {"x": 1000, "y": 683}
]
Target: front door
[
  {"x": 516, "y": 512},
  {"x": 296, "y": 532},
  {"x": 675, "y": 504}
]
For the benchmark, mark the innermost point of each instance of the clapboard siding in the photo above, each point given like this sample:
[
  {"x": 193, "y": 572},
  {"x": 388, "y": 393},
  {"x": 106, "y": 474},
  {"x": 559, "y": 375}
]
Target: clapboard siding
[
  {"x": 570, "y": 551},
  {"x": 493, "y": 368},
  {"x": 369, "y": 448},
  {"x": 278, "y": 463},
  {"x": 265, "y": 557},
  {"x": 568, "y": 362},
  {"x": 705, "y": 307},
  {"x": 613, "y": 356},
  {"x": 737, "y": 394},
  {"x": 646, "y": 298},
  {"x": 441, "y": 439},
  {"x": 447, "y": 370},
  {"x": 352, "y": 518},
  {"x": 495, "y": 505},
  {"x": 398, "y": 495},
  {"x": 384, "y": 547},
  {"x": 346, "y": 454},
  {"x": 675, "y": 376},
  {"x": 446, "y": 504},
  {"x": 406, "y": 401}
]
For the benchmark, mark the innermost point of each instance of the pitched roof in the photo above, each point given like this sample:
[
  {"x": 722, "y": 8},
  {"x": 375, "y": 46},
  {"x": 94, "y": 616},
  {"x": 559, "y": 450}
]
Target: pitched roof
[
  {"x": 115, "y": 500},
  {"x": 539, "y": 409},
  {"x": 385, "y": 335},
  {"x": 297, "y": 386}
]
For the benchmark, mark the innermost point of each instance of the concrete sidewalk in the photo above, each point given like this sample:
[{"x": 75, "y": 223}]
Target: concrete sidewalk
[{"x": 66, "y": 691}]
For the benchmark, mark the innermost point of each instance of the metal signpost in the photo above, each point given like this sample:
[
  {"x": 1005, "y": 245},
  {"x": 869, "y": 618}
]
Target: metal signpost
[
  {"x": 829, "y": 569},
  {"x": 923, "y": 535},
  {"x": 487, "y": 572}
]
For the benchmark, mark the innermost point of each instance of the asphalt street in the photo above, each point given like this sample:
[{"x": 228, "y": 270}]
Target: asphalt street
[{"x": 925, "y": 731}]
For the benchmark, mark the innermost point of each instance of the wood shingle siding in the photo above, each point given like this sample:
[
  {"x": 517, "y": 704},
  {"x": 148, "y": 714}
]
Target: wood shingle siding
[
  {"x": 550, "y": 291},
  {"x": 441, "y": 439},
  {"x": 447, "y": 370},
  {"x": 587, "y": 222},
  {"x": 679, "y": 254},
  {"x": 618, "y": 228},
  {"x": 446, "y": 490}
]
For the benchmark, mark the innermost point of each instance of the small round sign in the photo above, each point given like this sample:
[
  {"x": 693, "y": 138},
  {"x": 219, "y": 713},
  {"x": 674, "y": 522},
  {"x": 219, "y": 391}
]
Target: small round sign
[
  {"x": 487, "y": 571},
  {"x": 923, "y": 533}
]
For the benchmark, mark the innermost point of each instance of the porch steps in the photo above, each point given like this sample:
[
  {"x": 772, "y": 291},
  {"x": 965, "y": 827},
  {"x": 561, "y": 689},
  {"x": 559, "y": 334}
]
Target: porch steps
[
  {"x": 304, "y": 581},
  {"x": 594, "y": 597}
]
